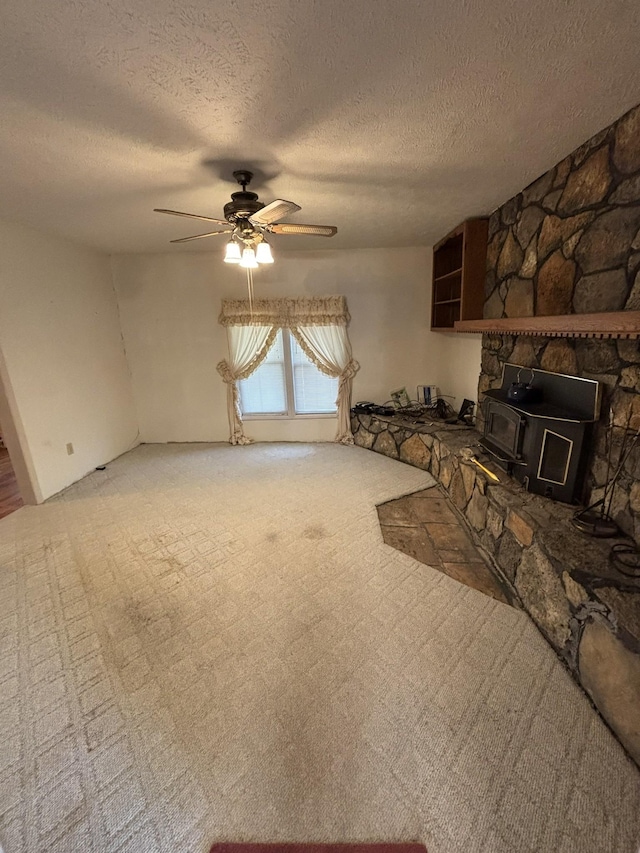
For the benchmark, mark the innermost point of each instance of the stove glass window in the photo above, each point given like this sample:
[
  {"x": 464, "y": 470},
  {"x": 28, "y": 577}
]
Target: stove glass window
[
  {"x": 503, "y": 430},
  {"x": 554, "y": 458}
]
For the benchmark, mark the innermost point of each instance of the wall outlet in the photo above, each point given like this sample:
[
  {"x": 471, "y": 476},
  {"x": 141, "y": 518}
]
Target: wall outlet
[{"x": 69, "y": 449}]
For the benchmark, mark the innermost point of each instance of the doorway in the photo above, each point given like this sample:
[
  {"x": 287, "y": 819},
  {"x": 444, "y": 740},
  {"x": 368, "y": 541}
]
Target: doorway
[
  {"x": 10, "y": 497},
  {"x": 18, "y": 481}
]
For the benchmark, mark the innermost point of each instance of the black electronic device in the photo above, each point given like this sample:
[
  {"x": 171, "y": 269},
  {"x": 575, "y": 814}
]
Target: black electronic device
[
  {"x": 364, "y": 407},
  {"x": 465, "y": 415}
]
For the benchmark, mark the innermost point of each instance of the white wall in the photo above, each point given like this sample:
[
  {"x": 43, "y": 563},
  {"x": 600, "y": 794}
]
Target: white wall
[
  {"x": 169, "y": 306},
  {"x": 64, "y": 362},
  {"x": 458, "y": 366}
]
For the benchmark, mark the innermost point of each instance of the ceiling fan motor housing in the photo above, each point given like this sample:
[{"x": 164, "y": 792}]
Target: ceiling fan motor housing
[{"x": 243, "y": 205}]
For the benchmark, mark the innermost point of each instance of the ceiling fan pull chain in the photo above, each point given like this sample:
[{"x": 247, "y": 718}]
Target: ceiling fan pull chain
[{"x": 250, "y": 289}]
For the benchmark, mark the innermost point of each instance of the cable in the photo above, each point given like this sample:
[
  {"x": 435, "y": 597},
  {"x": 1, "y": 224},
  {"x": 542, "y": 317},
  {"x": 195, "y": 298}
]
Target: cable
[{"x": 626, "y": 558}]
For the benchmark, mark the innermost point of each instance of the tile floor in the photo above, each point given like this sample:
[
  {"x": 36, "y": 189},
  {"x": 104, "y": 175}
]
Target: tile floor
[{"x": 424, "y": 526}]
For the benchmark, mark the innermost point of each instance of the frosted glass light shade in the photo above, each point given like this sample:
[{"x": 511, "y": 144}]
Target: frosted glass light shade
[
  {"x": 248, "y": 260},
  {"x": 263, "y": 254},
  {"x": 232, "y": 253}
]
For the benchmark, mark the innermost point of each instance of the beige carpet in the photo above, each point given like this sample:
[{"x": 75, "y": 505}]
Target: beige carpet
[{"x": 204, "y": 643}]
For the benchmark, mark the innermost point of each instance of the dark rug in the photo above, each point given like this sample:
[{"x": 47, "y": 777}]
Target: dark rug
[{"x": 275, "y": 847}]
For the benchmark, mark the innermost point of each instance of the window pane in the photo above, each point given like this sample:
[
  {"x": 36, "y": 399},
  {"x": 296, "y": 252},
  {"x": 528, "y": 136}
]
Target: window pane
[
  {"x": 314, "y": 392},
  {"x": 264, "y": 392}
]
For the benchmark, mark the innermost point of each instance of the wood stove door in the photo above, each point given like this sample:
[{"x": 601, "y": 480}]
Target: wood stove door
[{"x": 504, "y": 428}]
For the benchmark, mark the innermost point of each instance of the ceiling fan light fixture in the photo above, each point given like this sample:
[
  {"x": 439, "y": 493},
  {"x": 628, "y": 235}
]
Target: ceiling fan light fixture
[
  {"x": 232, "y": 253},
  {"x": 248, "y": 260},
  {"x": 263, "y": 253}
]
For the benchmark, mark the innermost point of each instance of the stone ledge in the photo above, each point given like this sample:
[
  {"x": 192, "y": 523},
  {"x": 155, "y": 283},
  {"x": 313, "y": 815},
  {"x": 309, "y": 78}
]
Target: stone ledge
[{"x": 562, "y": 577}]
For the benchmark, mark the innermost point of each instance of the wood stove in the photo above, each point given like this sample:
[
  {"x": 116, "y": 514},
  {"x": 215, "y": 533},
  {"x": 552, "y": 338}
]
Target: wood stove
[{"x": 543, "y": 445}]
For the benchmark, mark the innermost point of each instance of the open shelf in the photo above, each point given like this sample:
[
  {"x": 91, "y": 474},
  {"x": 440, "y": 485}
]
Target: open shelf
[
  {"x": 458, "y": 275},
  {"x": 445, "y": 314},
  {"x": 447, "y": 289},
  {"x": 448, "y": 274},
  {"x": 447, "y": 256}
]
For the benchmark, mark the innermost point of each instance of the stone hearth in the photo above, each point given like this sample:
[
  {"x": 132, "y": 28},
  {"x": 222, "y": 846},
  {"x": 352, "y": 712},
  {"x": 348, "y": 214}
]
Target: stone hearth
[{"x": 588, "y": 612}]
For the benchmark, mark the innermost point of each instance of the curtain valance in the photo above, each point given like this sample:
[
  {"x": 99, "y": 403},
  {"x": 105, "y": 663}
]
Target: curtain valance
[{"x": 286, "y": 313}]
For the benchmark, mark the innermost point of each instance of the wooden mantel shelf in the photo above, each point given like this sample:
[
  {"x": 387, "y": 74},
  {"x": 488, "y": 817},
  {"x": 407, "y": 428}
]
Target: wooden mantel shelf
[{"x": 612, "y": 324}]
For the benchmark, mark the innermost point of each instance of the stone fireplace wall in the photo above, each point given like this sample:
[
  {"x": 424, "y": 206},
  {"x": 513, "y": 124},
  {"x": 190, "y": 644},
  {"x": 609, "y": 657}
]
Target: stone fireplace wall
[{"x": 570, "y": 243}]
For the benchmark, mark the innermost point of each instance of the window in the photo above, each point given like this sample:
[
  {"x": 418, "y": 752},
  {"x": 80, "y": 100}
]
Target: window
[{"x": 287, "y": 384}]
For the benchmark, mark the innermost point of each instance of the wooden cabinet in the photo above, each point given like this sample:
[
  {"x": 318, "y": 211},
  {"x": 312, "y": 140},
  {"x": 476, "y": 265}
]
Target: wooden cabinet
[{"x": 459, "y": 261}]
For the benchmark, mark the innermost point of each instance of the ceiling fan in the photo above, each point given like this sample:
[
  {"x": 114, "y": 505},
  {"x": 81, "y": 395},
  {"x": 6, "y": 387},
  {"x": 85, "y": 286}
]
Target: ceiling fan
[{"x": 248, "y": 220}]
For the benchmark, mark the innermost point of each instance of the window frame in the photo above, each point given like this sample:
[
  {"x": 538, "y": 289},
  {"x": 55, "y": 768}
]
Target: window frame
[{"x": 291, "y": 413}]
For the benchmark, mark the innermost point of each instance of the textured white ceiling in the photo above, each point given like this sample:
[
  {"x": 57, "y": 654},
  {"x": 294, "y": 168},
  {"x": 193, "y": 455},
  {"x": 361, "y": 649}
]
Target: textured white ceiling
[{"x": 392, "y": 119}]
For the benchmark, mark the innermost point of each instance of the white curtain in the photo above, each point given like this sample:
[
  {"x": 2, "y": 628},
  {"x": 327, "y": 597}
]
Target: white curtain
[
  {"x": 329, "y": 348},
  {"x": 320, "y": 327},
  {"x": 248, "y": 348}
]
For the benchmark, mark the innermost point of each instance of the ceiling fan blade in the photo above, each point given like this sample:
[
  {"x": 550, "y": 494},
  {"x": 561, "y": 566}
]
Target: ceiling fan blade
[
  {"x": 200, "y": 236},
  {"x": 190, "y": 215},
  {"x": 274, "y": 211},
  {"x": 297, "y": 228}
]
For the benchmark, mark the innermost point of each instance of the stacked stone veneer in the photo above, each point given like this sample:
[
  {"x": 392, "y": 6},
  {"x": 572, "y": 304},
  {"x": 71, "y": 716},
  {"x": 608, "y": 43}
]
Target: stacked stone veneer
[
  {"x": 587, "y": 611},
  {"x": 570, "y": 243}
]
